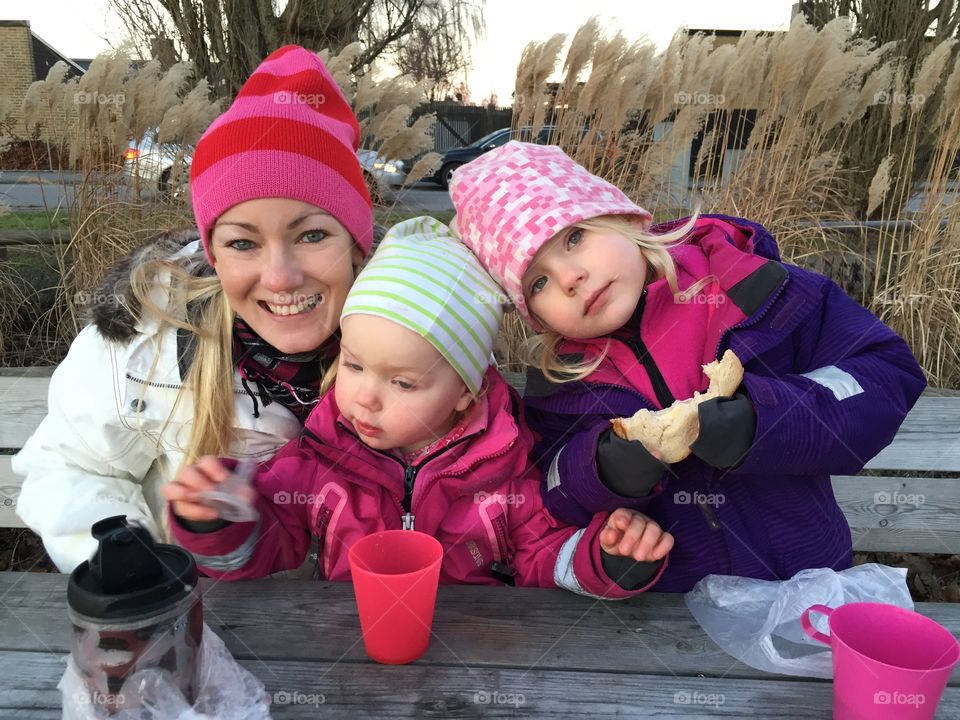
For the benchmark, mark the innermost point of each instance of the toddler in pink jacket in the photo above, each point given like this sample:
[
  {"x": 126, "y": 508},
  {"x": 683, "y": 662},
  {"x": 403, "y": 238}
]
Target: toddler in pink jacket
[{"x": 421, "y": 432}]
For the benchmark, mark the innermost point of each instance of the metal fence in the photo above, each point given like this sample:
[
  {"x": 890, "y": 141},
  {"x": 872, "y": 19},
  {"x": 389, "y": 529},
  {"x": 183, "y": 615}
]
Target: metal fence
[{"x": 459, "y": 125}]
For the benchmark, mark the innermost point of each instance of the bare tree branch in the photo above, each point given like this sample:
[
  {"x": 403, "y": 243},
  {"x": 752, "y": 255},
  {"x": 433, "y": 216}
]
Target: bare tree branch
[{"x": 226, "y": 39}]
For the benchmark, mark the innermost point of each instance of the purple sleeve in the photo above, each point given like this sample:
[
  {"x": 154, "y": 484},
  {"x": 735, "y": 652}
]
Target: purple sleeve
[
  {"x": 856, "y": 383},
  {"x": 568, "y": 429}
]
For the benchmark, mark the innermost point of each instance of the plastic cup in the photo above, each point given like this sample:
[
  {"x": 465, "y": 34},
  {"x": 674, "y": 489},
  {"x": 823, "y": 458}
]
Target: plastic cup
[
  {"x": 888, "y": 662},
  {"x": 395, "y": 575}
]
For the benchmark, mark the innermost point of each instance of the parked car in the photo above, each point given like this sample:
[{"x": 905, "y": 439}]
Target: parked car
[
  {"x": 387, "y": 172},
  {"x": 455, "y": 157},
  {"x": 153, "y": 165}
]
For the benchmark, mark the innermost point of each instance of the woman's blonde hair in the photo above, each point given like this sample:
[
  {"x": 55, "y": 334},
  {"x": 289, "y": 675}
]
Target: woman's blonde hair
[
  {"x": 198, "y": 304},
  {"x": 541, "y": 350}
]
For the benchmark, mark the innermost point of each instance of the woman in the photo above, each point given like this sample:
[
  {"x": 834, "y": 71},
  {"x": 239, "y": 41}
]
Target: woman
[{"x": 218, "y": 345}]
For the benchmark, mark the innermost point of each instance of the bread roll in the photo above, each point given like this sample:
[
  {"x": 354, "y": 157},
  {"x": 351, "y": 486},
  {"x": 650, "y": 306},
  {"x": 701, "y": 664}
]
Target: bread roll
[{"x": 671, "y": 431}]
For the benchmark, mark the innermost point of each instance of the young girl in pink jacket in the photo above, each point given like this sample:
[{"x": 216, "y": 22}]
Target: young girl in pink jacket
[{"x": 420, "y": 433}]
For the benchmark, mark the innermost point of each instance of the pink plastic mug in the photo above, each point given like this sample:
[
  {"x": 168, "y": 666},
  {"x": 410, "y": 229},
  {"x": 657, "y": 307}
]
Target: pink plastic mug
[
  {"x": 395, "y": 575},
  {"x": 888, "y": 662}
]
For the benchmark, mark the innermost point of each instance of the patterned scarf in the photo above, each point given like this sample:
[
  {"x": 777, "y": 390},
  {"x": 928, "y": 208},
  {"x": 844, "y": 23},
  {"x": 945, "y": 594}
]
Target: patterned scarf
[{"x": 291, "y": 380}]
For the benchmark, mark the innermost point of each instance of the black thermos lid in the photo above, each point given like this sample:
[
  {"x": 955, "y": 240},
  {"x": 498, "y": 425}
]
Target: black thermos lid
[{"x": 130, "y": 574}]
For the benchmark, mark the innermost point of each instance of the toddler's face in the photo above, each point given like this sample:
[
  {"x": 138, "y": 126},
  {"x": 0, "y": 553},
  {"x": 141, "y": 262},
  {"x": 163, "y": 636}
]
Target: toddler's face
[
  {"x": 585, "y": 283},
  {"x": 394, "y": 387}
]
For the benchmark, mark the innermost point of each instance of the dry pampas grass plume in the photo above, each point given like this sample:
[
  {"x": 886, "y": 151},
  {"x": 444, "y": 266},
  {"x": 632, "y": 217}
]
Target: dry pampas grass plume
[{"x": 880, "y": 184}]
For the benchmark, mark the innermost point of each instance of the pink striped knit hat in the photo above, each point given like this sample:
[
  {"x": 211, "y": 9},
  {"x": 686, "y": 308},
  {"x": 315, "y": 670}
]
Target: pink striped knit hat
[
  {"x": 512, "y": 200},
  {"x": 289, "y": 133}
]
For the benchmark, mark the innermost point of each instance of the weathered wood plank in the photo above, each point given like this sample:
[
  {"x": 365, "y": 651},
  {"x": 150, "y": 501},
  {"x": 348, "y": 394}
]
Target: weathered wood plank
[
  {"x": 549, "y": 629},
  {"x": 928, "y": 440},
  {"x": 9, "y": 491},
  {"x": 24, "y": 406},
  {"x": 901, "y": 514},
  {"x": 885, "y": 514},
  {"x": 311, "y": 689}
]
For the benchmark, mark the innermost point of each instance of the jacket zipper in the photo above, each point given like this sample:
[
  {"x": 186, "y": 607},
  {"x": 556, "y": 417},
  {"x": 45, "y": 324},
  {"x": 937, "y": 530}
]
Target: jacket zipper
[
  {"x": 410, "y": 472},
  {"x": 709, "y": 513},
  {"x": 168, "y": 386},
  {"x": 640, "y": 350},
  {"x": 324, "y": 519}
]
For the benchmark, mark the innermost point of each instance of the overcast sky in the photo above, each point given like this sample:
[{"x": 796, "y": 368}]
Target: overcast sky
[{"x": 83, "y": 28}]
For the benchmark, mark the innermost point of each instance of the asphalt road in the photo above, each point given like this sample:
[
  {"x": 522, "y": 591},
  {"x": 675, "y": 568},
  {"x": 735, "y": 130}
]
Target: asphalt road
[{"x": 25, "y": 193}]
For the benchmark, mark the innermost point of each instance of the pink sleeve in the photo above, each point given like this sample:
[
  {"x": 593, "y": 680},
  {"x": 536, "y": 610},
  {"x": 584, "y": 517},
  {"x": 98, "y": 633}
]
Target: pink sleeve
[{"x": 277, "y": 541}]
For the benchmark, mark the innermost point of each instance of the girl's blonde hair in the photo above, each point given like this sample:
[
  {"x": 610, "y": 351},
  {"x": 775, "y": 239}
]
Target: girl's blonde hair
[
  {"x": 198, "y": 304},
  {"x": 541, "y": 350}
]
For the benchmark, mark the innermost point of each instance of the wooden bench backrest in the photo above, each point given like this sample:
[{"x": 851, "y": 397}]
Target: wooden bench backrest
[{"x": 905, "y": 514}]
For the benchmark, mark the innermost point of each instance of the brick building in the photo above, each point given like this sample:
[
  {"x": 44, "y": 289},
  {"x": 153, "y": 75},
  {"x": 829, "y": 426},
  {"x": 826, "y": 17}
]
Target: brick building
[{"x": 25, "y": 58}]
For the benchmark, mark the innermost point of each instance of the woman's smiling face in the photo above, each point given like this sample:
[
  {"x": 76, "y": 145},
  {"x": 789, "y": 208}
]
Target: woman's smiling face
[{"x": 286, "y": 267}]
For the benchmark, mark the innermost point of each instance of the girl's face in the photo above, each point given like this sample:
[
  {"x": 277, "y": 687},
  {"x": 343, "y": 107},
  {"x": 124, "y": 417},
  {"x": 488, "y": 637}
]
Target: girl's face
[
  {"x": 394, "y": 387},
  {"x": 285, "y": 267},
  {"x": 585, "y": 283}
]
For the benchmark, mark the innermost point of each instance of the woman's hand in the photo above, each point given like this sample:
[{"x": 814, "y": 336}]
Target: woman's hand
[
  {"x": 629, "y": 533},
  {"x": 183, "y": 492}
]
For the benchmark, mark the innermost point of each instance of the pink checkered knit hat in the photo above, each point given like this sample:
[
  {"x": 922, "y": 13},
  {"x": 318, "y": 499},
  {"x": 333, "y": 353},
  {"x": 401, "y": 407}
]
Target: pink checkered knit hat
[
  {"x": 290, "y": 133},
  {"x": 512, "y": 200}
]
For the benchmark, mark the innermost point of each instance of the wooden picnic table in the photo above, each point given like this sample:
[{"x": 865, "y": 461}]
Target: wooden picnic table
[{"x": 495, "y": 652}]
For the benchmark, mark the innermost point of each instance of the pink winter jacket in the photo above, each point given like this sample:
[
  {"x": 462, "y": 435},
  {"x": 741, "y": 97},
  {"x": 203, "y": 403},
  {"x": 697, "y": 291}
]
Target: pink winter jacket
[{"x": 479, "y": 496}]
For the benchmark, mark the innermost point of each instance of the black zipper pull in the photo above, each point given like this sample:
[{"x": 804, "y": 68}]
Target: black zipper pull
[
  {"x": 708, "y": 512},
  {"x": 503, "y": 573},
  {"x": 409, "y": 477}
]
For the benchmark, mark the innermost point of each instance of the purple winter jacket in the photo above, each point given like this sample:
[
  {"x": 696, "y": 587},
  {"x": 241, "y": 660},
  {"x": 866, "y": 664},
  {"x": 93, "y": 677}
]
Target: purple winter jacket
[{"x": 826, "y": 385}]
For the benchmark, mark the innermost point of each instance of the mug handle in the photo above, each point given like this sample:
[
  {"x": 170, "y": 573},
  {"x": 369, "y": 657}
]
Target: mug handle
[{"x": 808, "y": 627}]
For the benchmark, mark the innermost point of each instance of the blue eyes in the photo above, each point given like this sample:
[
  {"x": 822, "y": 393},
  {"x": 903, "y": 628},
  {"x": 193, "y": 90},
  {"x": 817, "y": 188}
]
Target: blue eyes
[
  {"x": 571, "y": 240},
  {"x": 311, "y": 237},
  {"x": 241, "y": 245}
]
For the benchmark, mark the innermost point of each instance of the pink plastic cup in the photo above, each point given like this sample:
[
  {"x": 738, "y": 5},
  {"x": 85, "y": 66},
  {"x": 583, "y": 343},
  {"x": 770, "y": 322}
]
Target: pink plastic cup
[
  {"x": 395, "y": 575},
  {"x": 887, "y": 661}
]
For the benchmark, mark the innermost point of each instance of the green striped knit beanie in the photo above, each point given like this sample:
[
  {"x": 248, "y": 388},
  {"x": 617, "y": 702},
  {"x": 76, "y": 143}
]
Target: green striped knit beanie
[{"x": 424, "y": 279}]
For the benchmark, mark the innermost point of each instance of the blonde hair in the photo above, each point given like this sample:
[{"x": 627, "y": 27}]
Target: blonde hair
[
  {"x": 198, "y": 305},
  {"x": 541, "y": 350}
]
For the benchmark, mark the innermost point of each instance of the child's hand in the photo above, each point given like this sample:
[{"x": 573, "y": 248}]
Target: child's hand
[
  {"x": 632, "y": 534},
  {"x": 184, "y": 490}
]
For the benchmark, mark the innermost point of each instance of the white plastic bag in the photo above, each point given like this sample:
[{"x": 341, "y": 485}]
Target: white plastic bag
[
  {"x": 758, "y": 621},
  {"x": 225, "y": 690}
]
